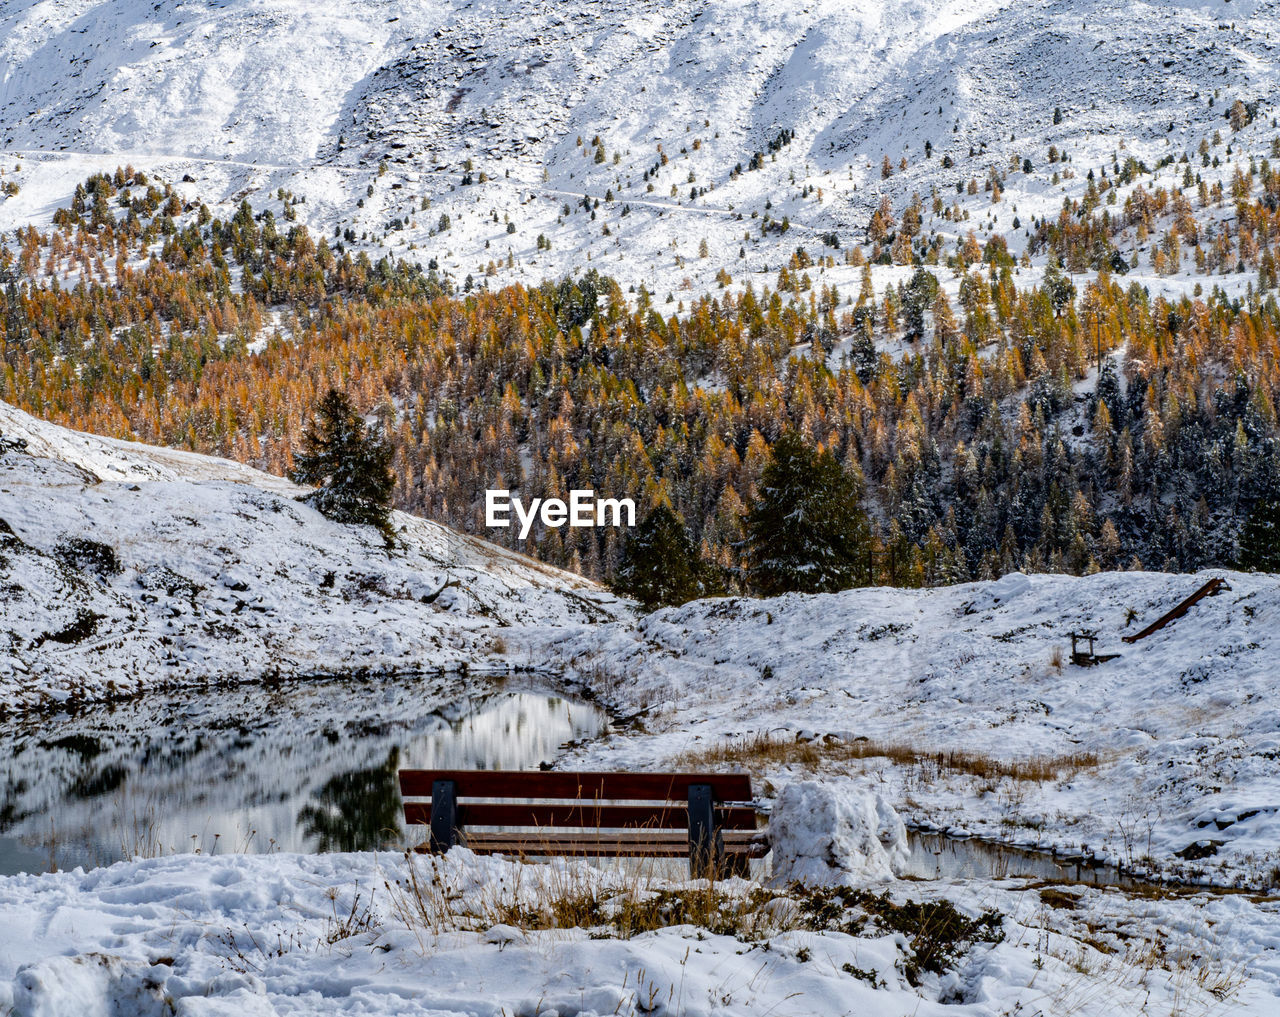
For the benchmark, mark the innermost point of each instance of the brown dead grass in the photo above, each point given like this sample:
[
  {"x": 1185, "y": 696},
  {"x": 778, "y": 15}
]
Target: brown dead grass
[
  {"x": 613, "y": 900},
  {"x": 758, "y": 752}
]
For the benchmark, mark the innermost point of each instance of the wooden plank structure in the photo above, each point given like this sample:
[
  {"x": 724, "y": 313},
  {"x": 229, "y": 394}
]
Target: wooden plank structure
[
  {"x": 1210, "y": 589},
  {"x": 1087, "y": 658},
  {"x": 707, "y": 816}
]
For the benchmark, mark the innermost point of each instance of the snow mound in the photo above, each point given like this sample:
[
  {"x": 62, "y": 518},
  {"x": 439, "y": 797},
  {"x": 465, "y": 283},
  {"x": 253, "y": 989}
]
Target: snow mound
[
  {"x": 501, "y": 935},
  {"x": 1004, "y": 590},
  {"x": 829, "y": 833},
  {"x": 60, "y": 986}
]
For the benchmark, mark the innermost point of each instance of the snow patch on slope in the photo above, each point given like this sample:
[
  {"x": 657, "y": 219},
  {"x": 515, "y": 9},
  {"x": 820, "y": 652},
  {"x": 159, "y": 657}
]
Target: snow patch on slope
[
  {"x": 130, "y": 567},
  {"x": 319, "y": 99}
]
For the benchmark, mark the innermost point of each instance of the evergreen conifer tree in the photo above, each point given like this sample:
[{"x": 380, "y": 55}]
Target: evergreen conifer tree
[
  {"x": 918, "y": 296},
  {"x": 1260, "y": 538},
  {"x": 1060, "y": 288},
  {"x": 660, "y": 565},
  {"x": 349, "y": 464},
  {"x": 807, "y": 532}
]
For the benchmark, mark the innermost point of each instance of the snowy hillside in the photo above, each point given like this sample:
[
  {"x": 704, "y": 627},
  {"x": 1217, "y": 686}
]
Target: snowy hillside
[
  {"x": 128, "y": 567},
  {"x": 1164, "y": 758},
  {"x": 376, "y": 119}
]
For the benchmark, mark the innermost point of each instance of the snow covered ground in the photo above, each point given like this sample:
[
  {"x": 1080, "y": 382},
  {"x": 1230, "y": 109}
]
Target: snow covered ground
[
  {"x": 1180, "y": 726},
  {"x": 955, "y": 706},
  {"x": 1178, "y": 737},
  {"x": 199, "y": 936},
  {"x": 128, "y": 568}
]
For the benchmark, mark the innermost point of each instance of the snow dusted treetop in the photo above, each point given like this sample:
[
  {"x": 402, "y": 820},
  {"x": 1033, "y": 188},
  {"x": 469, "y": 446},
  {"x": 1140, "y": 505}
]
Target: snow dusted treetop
[
  {"x": 806, "y": 533},
  {"x": 351, "y": 464}
]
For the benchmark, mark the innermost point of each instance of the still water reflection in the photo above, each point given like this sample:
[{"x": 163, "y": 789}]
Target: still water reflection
[
  {"x": 937, "y": 856},
  {"x": 309, "y": 768},
  {"x": 313, "y": 767}
]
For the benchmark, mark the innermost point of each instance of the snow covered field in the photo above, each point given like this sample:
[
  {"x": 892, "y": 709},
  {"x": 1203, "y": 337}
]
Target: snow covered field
[
  {"x": 200, "y": 936},
  {"x": 1176, "y": 741},
  {"x": 955, "y": 705},
  {"x": 1172, "y": 746}
]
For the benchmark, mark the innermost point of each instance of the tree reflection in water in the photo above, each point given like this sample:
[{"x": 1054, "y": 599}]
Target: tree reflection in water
[
  {"x": 309, "y": 768},
  {"x": 356, "y": 811}
]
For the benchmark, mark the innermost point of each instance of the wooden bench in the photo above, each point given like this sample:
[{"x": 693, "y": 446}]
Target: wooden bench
[{"x": 707, "y": 816}]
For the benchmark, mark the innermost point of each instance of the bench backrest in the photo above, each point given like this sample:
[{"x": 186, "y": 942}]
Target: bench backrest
[{"x": 458, "y": 800}]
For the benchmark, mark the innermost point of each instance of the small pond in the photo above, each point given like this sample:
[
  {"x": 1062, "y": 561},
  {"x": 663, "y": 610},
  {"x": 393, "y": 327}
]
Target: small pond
[{"x": 308, "y": 767}]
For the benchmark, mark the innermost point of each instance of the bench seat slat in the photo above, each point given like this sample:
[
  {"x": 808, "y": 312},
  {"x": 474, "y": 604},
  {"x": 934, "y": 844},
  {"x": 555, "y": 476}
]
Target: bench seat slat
[
  {"x": 737, "y": 843},
  {"x": 587, "y": 815},
  {"x": 673, "y": 787}
]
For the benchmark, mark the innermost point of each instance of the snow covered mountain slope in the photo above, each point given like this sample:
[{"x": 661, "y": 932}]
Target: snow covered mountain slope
[
  {"x": 127, "y": 567},
  {"x": 1165, "y": 757},
  {"x": 379, "y": 117}
]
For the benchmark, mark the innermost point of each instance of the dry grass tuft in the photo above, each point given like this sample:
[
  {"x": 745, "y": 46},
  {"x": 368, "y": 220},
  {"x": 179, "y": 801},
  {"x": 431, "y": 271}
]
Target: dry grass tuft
[
  {"x": 762, "y": 751},
  {"x": 436, "y": 897},
  {"x": 618, "y": 902}
]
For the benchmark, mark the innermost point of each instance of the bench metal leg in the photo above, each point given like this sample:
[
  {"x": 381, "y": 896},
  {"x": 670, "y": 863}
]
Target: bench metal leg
[
  {"x": 706, "y": 842},
  {"x": 444, "y": 815}
]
